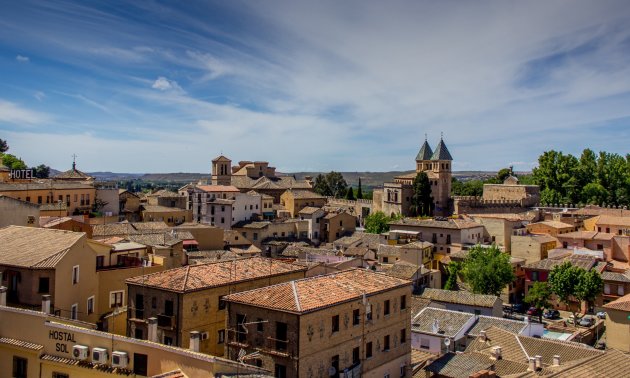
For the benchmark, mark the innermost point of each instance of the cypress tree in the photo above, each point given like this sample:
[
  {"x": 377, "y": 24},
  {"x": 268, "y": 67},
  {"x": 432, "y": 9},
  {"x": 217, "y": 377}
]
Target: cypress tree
[{"x": 359, "y": 191}]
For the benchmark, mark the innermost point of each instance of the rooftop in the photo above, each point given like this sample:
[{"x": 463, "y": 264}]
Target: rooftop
[
  {"x": 441, "y": 152},
  {"x": 35, "y": 247},
  {"x": 584, "y": 262},
  {"x": 441, "y": 322},
  {"x": 161, "y": 209},
  {"x": 455, "y": 224},
  {"x": 621, "y": 304},
  {"x": 43, "y": 185},
  {"x": 217, "y": 188},
  {"x": 484, "y": 322},
  {"x": 613, "y": 220},
  {"x": 312, "y": 294},
  {"x": 205, "y": 276},
  {"x": 553, "y": 224},
  {"x": 308, "y": 210},
  {"x": 405, "y": 270},
  {"x": 304, "y": 194},
  {"x": 587, "y": 235},
  {"x": 459, "y": 297}
]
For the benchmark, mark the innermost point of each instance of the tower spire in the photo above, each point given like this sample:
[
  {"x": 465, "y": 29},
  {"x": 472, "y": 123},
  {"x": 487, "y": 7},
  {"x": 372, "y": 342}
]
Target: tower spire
[{"x": 74, "y": 162}]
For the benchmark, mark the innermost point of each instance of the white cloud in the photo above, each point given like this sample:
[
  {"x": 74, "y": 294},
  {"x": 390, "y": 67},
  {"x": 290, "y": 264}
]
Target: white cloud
[
  {"x": 22, "y": 59},
  {"x": 164, "y": 84},
  {"x": 39, "y": 95},
  {"x": 15, "y": 114}
]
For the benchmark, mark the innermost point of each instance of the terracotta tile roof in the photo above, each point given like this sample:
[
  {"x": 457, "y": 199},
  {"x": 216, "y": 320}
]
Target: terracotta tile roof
[
  {"x": 304, "y": 194},
  {"x": 455, "y": 224},
  {"x": 35, "y": 247},
  {"x": 356, "y": 251},
  {"x": 388, "y": 250},
  {"x": 86, "y": 365},
  {"x": 161, "y": 209},
  {"x": 584, "y": 262},
  {"x": 171, "y": 374},
  {"x": 126, "y": 228},
  {"x": 164, "y": 193},
  {"x": 458, "y": 365},
  {"x": 587, "y": 235},
  {"x": 447, "y": 323},
  {"x": 43, "y": 185},
  {"x": 612, "y": 364},
  {"x": 54, "y": 221},
  {"x": 459, "y": 297},
  {"x": 309, "y": 210},
  {"x": 519, "y": 348},
  {"x": 311, "y": 294},
  {"x": 554, "y": 224},
  {"x": 217, "y": 188},
  {"x": 616, "y": 276},
  {"x": 484, "y": 322},
  {"x": 204, "y": 276},
  {"x": 53, "y": 206},
  {"x": 405, "y": 270},
  {"x": 371, "y": 241},
  {"x": 202, "y": 257},
  {"x": 419, "y": 358},
  {"x": 418, "y": 304},
  {"x": 20, "y": 343},
  {"x": 613, "y": 221},
  {"x": 621, "y": 304},
  {"x": 73, "y": 174}
]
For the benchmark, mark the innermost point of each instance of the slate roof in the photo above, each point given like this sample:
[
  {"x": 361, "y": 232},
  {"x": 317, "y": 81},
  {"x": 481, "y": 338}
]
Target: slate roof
[
  {"x": 425, "y": 152},
  {"x": 204, "y": 276},
  {"x": 441, "y": 152},
  {"x": 312, "y": 294},
  {"x": 621, "y": 304},
  {"x": 31, "y": 247},
  {"x": 459, "y": 297},
  {"x": 448, "y": 323}
]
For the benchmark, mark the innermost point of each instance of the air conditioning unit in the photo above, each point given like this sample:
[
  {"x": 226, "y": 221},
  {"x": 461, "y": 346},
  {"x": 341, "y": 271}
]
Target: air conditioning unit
[
  {"x": 100, "y": 356},
  {"x": 120, "y": 359},
  {"x": 80, "y": 352},
  {"x": 204, "y": 335}
]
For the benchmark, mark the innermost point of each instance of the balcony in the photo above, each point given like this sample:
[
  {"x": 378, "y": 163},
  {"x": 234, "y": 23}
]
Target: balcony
[
  {"x": 166, "y": 321},
  {"x": 276, "y": 347}
]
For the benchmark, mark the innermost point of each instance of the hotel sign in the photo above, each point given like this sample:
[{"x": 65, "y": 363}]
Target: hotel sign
[{"x": 21, "y": 174}]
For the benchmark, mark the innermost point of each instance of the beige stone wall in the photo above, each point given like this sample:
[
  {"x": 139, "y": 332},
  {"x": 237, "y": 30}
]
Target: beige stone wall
[
  {"x": 500, "y": 192},
  {"x": 209, "y": 238},
  {"x": 528, "y": 248},
  {"x": 18, "y": 213},
  {"x": 172, "y": 217},
  {"x": 618, "y": 330},
  {"x": 33, "y": 195},
  {"x": 339, "y": 226},
  {"x": 498, "y": 230}
]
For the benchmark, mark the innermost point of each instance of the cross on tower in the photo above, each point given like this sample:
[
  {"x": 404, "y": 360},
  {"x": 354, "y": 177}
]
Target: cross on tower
[{"x": 74, "y": 161}]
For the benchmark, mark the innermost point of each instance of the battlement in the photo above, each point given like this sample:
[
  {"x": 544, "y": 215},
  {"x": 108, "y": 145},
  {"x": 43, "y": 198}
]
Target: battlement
[{"x": 343, "y": 201}]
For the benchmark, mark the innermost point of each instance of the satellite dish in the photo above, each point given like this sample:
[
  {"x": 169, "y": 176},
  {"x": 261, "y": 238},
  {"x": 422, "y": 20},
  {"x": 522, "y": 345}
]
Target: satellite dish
[
  {"x": 447, "y": 342},
  {"x": 332, "y": 371}
]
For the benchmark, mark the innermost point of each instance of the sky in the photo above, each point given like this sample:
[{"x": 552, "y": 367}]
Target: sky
[{"x": 166, "y": 86}]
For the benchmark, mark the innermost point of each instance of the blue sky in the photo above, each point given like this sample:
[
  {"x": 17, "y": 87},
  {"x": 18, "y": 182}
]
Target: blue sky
[{"x": 155, "y": 86}]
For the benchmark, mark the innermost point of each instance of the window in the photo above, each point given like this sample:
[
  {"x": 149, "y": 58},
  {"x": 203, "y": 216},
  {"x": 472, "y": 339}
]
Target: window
[
  {"x": 620, "y": 290},
  {"x": 90, "y": 305},
  {"x": 255, "y": 236},
  {"x": 259, "y": 325},
  {"x": 221, "y": 303},
  {"x": 44, "y": 285},
  {"x": 386, "y": 308},
  {"x": 334, "y": 362},
  {"x": 168, "y": 307},
  {"x": 222, "y": 220},
  {"x": 39, "y": 199},
  {"x": 385, "y": 259},
  {"x": 403, "y": 336},
  {"x": 355, "y": 356},
  {"x": 140, "y": 362},
  {"x": 403, "y": 371},
  {"x": 74, "y": 311},
  {"x": 356, "y": 316},
  {"x": 19, "y": 367},
  {"x": 403, "y": 302},
  {"x": 168, "y": 340},
  {"x": 221, "y": 336},
  {"x": 424, "y": 343},
  {"x": 116, "y": 298},
  {"x": 368, "y": 350},
  {"x": 280, "y": 371},
  {"x": 100, "y": 261},
  {"x": 386, "y": 343},
  {"x": 154, "y": 302},
  {"x": 448, "y": 239},
  {"x": 335, "y": 323},
  {"x": 75, "y": 274}
]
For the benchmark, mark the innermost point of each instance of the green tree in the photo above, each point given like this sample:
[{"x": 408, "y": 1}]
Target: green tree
[
  {"x": 41, "y": 171},
  {"x": 360, "y": 190},
  {"x": 538, "y": 296},
  {"x": 4, "y": 146},
  {"x": 13, "y": 162},
  {"x": 503, "y": 174},
  {"x": 466, "y": 188},
  {"x": 572, "y": 283},
  {"x": 594, "y": 193},
  {"x": 332, "y": 184},
  {"x": 350, "y": 194},
  {"x": 421, "y": 200},
  {"x": 377, "y": 223},
  {"x": 453, "y": 270},
  {"x": 487, "y": 270}
]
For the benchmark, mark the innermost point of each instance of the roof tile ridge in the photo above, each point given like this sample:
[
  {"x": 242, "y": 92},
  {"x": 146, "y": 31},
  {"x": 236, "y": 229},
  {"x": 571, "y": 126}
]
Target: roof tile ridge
[
  {"x": 50, "y": 257},
  {"x": 186, "y": 277},
  {"x": 296, "y": 297},
  {"x": 522, "y": 346}
]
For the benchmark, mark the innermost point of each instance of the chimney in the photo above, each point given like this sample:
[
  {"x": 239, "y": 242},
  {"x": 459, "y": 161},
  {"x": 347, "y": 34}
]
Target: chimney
[
  {"x": 496, "y": 353},
  {"x": 531, "y": 364},
  {"x": 152, "y": 329},
  {"x": 556, "y": 360},
  {"x": 46, "y": 304},
  {"x": 3, "y": 296},
  {"x": 538, "y": 361},
  {"x": 194, "y": 341},
  {"x": 482, "y": 336}
]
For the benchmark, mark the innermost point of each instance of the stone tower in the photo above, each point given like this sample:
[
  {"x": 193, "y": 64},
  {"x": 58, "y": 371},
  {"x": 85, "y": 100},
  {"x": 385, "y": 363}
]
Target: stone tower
[
  {"x": 221, "y": 171},
  {"x": 441, "y": 161}
]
